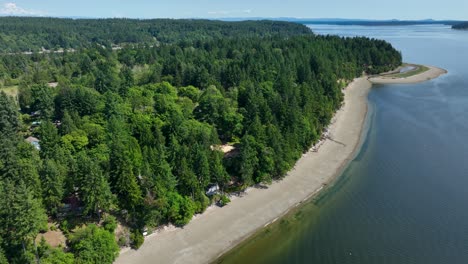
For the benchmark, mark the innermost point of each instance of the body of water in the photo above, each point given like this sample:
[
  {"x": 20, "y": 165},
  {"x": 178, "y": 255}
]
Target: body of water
[{"x": 404, "y": 198}]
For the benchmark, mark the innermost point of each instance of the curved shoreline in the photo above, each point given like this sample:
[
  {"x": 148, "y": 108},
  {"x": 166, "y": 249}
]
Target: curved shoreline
[
  {"x": 218, "y": 230},
  {"x": 430, "y": 74}
]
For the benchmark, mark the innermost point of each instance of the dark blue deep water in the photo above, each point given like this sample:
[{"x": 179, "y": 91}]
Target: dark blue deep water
[{"x": 404, "y": 198}]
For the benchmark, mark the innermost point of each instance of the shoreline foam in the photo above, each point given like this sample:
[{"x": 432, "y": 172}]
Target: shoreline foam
[{"x": 213, "y": 233}]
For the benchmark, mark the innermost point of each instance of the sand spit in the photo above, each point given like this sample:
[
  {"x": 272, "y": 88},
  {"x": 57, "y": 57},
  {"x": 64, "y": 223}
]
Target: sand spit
[{"x": 432, "y": 73}]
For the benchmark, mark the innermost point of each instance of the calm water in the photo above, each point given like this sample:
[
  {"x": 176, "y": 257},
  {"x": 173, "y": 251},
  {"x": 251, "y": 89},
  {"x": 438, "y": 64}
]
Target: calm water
[{"x": 404, "y": 199}]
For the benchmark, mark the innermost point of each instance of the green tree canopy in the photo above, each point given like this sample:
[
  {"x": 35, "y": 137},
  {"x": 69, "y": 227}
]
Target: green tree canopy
[{"x": 92, "y": 244}]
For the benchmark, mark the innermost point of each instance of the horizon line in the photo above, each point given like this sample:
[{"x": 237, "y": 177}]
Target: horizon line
[{"x": 285, "y": 18}]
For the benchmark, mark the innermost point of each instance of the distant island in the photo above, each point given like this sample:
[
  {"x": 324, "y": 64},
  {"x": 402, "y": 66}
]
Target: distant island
[
  {"x": 462, "y": 26},
  {"x": 355, "y": 22},
  {"x": 380, "y": 22}
]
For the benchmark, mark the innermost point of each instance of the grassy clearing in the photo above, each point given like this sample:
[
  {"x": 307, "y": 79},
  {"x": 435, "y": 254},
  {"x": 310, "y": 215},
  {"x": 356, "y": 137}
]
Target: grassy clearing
[{"x": 10, "y": 90}]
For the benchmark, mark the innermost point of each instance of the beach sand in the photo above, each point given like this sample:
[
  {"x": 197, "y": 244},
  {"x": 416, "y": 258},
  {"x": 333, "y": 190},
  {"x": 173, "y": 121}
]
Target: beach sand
[
  {"x": 219, "y": 229},
  {"x": 432, "y": 73}
]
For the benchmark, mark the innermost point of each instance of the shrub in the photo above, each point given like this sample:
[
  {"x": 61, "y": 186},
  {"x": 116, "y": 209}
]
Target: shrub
[
  {"x": 122, "y": 241},
  {"x": 224, "y": 200},
  {"x": 3, "y": 259},
  {"x": 181, "y": 209},
  {"x": 110, "y": 223},
  {"x": 64, "y": 226},
  {"x": 137, "y": 239},
  {"x": 202, "y": 202},
  {"x": 94, "y": 245}
]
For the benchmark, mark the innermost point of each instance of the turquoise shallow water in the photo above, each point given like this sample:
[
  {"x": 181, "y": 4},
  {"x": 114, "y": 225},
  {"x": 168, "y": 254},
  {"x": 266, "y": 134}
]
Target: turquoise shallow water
[{"x": 404, "y": 198}]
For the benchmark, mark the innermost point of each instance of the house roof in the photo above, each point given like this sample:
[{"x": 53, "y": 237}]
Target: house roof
[{"x": 32, "y": 139}]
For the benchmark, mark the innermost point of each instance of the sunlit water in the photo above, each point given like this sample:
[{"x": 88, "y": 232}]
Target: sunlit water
[{"x": 404, "y": 198}]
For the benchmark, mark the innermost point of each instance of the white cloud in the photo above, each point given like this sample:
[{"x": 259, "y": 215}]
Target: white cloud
[
  {"x": 11, "y": 9},
  {"x": 230, "y": 12},
  {"x": 219, "y": 12}
]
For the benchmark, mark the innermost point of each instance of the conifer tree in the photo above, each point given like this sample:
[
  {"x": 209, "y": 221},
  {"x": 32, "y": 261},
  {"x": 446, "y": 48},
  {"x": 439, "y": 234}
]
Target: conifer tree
[
  {"x": 52, "y": 186},
  {"x": 9, "y": 122},
  {"x": 21, "y": 216},
  {"x": 94, "y": 189}
]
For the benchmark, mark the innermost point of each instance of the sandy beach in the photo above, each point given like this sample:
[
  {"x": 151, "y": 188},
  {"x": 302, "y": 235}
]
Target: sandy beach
[
  {"x": 217, "y": 230},
  {"x": 432, "y": 73}
]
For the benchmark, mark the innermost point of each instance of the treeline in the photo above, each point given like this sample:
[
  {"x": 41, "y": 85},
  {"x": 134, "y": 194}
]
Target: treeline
[
  {"x": 393, "y": 22},
  {"x": 463, "y": 25},
  {"x": 135, "y": 134},
  {"x": 20, "y": 34}
]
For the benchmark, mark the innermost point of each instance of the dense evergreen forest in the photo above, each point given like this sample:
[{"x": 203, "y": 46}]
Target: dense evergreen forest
[
  {"x": 463, "y": 25},
  {"x": 98, "y": 146},
  {"x": 19, "y": 34}
]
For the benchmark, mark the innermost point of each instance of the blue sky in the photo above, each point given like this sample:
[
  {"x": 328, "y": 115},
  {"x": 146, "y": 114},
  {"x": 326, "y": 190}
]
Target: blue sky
[{"x": 368, "y": 9}]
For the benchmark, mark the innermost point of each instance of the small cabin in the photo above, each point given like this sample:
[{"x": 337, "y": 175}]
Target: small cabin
[
  {"x": 212, "y": 189},
  {"x": 34, "y": 141}
]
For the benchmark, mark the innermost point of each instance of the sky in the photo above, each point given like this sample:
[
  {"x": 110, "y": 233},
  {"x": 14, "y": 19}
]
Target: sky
[{"x": 363, "y": 9}]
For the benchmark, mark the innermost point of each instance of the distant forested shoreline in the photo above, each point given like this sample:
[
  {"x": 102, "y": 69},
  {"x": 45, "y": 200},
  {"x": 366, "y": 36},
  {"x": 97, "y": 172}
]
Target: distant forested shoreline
[
  {"x": 351, "y": 22},
  {"x": 99, "y": 146},
  {"x": 21, "y": 34},
  {"x": 463, "y": 25}
]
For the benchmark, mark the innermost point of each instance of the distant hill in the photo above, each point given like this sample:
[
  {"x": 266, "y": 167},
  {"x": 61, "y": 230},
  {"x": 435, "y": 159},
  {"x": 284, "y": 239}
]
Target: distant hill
[
  {"x": 359, "y": 22},
  {"x": 380, "y": 22},
  {"x": 463, "y": 26},
  {"x": 18, "y": 34}
]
